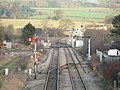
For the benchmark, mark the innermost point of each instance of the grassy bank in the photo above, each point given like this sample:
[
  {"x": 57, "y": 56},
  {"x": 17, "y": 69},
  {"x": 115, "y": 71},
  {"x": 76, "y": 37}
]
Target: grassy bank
[{"x": 11, "y": 66}]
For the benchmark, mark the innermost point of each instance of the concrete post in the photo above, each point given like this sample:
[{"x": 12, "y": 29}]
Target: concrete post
[
  {"x": 100, "y": 56},
  {"x": 6, "y": 71},
  {"x": 89, "y": 49}
]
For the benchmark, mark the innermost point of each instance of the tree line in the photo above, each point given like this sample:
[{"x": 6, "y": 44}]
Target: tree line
[{"x": 15, "y": 10}]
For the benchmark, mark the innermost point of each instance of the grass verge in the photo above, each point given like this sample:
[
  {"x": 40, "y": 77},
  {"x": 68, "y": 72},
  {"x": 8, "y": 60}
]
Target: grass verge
[{"x": 10, "y": 65}]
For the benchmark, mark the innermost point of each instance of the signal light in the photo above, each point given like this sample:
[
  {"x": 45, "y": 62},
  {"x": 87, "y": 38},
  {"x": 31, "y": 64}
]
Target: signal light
[
  {"x": 46, "y": 32},
  {"x": 31, "y": 39}
]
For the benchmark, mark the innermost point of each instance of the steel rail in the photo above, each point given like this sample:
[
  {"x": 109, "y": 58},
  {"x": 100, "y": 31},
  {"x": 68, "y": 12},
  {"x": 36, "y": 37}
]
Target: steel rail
[
  {"x": 48, "y": 74},
  {"x": 78, "y": 61},
  {"x": 52, "y": 76},
  {"x": 58, "y": 73},
  {"x": 68, "y": 65},
  {"x": 83, "y": 82}
]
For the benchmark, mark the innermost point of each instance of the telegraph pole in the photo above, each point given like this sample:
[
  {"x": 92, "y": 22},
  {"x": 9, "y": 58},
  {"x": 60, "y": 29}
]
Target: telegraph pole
[
  {"x": 35, "y": 59},
  {"x": 33, "y": 40}
]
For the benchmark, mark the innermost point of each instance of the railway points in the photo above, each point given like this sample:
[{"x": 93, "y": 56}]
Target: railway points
[{"x": 64, "y": 69}]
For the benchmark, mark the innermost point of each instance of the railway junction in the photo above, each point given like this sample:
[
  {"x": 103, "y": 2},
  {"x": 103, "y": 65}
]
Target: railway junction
[{"x": 63, "y": 69}]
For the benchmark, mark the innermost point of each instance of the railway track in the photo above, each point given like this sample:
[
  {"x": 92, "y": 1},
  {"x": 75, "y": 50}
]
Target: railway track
[
  {"x": 52, "y": 79},
  {"x": 76, "y": 79},
  {"x": 74, "y": 66},
  {"x": 78, "y": 60}
]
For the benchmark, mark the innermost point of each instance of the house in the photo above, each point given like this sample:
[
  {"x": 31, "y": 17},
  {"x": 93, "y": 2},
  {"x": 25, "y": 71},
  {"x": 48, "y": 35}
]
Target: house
[{"x": 90, "y": 1}]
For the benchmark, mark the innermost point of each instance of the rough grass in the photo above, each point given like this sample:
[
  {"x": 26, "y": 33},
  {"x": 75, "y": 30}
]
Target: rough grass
[
  {"x": 20, "y": 23},
  {"x": 13, "y": 82},
  {"x": 10, "y": 65}
]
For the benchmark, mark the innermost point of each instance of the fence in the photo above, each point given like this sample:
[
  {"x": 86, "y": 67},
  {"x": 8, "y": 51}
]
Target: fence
[{"x": 105, "y": 58}]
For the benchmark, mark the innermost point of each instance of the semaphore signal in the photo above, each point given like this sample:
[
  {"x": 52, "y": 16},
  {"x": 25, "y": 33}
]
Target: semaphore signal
[{"x": 32, "y": 39}]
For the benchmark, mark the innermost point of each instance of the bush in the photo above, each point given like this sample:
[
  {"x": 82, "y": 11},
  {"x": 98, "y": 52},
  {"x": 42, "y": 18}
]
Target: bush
[
  {"x": 21, "y": 64},
  {"x": 108, "y": 19},
  {"x": 110, "y": 70}
]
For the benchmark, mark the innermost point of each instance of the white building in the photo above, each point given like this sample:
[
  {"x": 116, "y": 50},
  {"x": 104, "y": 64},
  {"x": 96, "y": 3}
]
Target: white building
[
  {"x": 113, "y": 52},
  {"x": 8, "y": 45},
  {"x": 92, "y": 1}
]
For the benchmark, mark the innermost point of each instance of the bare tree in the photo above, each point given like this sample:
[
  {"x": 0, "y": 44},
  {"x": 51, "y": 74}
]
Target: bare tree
[
  {"x": 44, "y": 24},
  {"x": 1, "y": 30},
  {"x": 58, "y": 14},
  {"x": 15, "y": 9},
  {"x": 65, "y": 23}
]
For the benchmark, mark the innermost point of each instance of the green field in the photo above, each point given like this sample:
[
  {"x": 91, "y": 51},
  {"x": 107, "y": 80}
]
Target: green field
[{"x": 78, "y": 14}]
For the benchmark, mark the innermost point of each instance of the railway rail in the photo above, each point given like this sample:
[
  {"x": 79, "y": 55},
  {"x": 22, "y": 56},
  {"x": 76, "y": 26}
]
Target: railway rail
[
  {"x": 78, "y": 61},
  {"x": 65, "y": 71},
  {"x": 73, "y": 66},
  {"x": 52, "y": 79},
  {"x": 76, "y": 79}
]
